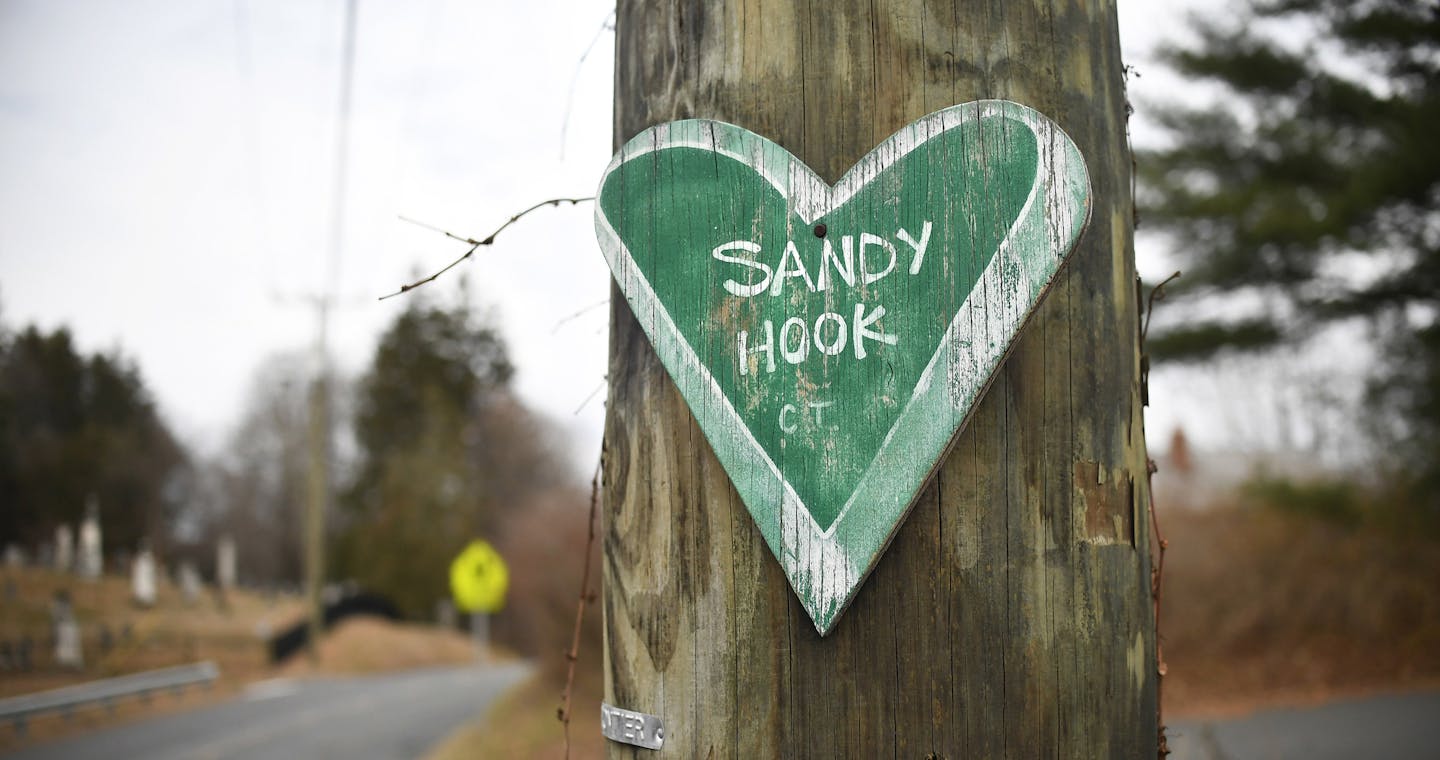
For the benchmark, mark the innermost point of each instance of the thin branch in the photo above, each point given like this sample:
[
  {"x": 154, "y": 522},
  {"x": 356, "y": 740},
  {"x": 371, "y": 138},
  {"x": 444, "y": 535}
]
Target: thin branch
[
  {"x": 563, "y": 713},
  {"x": 576, "y": 315},
  {"x": 433, "y": 228},
  {"x": 1157, "y": 573},
  {"x": 598, "y": 386},
  {"x": 608, "y": 25},
  {"x": 1157, "y": 589},
  {"x": 475, "y": 244},
  {"x": 1127, "y": 71},
  {"x": 432, "y": 278},
  {"x": 1157, "y": 293}
]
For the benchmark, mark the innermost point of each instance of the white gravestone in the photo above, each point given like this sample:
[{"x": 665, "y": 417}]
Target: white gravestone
[
  {"x": 225, "y": 563},
  {"x": 68, "y": 653},
  {"x": 90, "y": 559},
  {"x": 142, "y": 578}
]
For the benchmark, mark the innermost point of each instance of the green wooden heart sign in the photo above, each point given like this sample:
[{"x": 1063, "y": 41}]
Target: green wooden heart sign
[{"x": 831, "y": 341}]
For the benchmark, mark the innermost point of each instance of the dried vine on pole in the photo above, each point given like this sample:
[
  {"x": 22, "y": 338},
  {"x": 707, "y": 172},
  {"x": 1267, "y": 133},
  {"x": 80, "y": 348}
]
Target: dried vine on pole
[
  {"x": 1157, "y": 577},
  {"x": 1157, "y": 573},
  {"x": 1157, "y": 294},
  {"x": 586, "y": 596},
  {"x": 475, "y": 244}
]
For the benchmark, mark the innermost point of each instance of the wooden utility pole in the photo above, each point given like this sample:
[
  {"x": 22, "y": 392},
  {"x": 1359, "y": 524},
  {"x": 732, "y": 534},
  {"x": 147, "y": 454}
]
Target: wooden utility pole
[
  {"x": 1011, "y": 615},
  {"x": 317, "y": 502},
  {"x": 317, "y": 487}
]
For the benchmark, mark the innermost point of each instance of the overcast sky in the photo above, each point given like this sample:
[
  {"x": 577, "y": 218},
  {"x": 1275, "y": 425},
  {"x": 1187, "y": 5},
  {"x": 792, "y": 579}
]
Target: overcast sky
[{"x": 165, "y": 183}]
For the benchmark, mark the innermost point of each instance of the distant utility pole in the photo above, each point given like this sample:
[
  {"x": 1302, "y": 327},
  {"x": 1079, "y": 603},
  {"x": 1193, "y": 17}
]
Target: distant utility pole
[
  {"x": 317, "y": 502},
  {"x": 1011, "y": 614},
  {"x": 318, "y": 490}
]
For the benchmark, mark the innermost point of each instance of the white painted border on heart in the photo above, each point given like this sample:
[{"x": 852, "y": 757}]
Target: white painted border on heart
[{"x": 823, "y": 574}]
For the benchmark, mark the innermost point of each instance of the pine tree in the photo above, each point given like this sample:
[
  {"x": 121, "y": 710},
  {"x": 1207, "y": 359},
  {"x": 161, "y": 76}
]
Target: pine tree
[
  {"x": 445, "y": 453},
  {"x": 75, "y": 426},
  {"x": 1306, "y": 194}
]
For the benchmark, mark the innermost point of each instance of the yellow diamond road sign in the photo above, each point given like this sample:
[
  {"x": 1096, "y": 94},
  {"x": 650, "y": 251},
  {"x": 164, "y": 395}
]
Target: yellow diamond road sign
[{"x": 479, "y": 578}]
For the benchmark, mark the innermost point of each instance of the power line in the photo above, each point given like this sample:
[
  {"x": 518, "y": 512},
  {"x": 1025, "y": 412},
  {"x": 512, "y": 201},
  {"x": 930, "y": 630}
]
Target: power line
[
  {"x": 318, "y": 501},
  {"x": 342, "y": 148}
]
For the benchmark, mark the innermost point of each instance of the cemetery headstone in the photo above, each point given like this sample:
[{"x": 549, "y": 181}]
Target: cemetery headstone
[
  {"x": 68, "y": 652},
  {"x": 64, "y": 549},
  {"x": 142, "y": 578},
  {"x": 90, "y": 559},
  {"x": 225, "y": 570}
]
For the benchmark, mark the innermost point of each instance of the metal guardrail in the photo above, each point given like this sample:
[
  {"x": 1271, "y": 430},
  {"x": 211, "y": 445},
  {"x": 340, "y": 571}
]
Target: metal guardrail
[{"x": 106, "y": 692}]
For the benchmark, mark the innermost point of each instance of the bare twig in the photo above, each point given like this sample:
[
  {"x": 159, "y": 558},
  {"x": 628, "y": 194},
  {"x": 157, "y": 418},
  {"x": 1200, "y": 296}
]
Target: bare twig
[
  {"x": 1127, "y": 71},
  {"x": 1157, "y": 294},
  {"x": 1157, "y": 588},
  {"x": 1157, "y": 573},
  {"x": 586, "y": 402},
  {"x": 572, "y": 656},
  {"x": 475, "y": 244},
  {"x": 608, "y": 25},
  {"x": 578, "y": 314}
]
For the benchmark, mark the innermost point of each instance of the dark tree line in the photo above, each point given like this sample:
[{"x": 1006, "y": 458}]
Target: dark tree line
[
  {"x": 431, "y": 449},
  {"x": 75, "y": 426}
]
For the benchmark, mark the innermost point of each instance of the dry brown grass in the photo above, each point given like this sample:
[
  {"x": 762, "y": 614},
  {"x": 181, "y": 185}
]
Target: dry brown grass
[
  {"x": 1265, "y": 608},
  {"x": 530, "y": 728},
  {"x": 170, "y": 633},
  {"x": 371, "y": 645}
]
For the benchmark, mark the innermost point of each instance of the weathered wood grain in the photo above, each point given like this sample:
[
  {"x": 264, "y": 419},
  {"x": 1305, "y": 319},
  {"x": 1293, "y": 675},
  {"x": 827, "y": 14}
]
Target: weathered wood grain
[{"x": 1010, "y": 616}]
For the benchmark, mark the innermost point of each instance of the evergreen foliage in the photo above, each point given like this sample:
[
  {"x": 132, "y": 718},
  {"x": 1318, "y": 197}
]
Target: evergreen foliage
[
  {"x": 444, "y": 453},
  {"x": 74, "y": 426},
  {"x": 1307, "y": 194}
]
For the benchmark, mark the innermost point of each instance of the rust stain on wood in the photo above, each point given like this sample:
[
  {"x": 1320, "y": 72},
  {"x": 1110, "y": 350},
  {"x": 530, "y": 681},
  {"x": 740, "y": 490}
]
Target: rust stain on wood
[{"x": 1107, "y": 499}]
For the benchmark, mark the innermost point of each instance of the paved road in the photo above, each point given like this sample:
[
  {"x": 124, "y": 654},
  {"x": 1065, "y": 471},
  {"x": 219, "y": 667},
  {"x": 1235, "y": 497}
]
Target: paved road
[
  {"x": 1398, "y": 725},
  {"x": 385, "y": 717}
]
